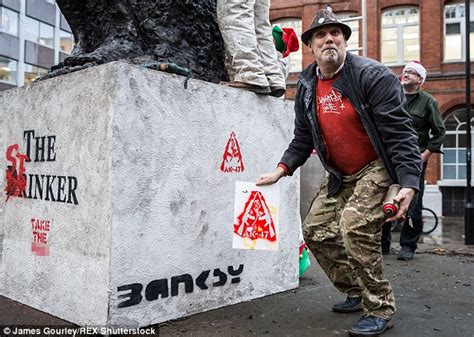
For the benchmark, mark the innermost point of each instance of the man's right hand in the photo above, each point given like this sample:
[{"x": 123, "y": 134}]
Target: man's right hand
[
  {"x": 404, "y": 198},
  {"x": 270, "y": 178}
]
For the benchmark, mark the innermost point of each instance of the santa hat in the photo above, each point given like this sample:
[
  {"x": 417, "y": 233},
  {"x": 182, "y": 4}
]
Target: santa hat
[
  {"x": 418, "y": 68},
  {"x": 286, "y": 40}
]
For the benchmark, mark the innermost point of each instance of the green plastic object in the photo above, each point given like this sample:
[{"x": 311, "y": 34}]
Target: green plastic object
[
  {"x": 304, "y": 261},
  {"x": 169, "y": 68}
]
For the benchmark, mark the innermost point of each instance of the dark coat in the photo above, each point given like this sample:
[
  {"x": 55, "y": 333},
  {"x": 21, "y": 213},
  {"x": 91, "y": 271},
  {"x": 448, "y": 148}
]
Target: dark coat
[
  {"x": 377, "y": 96},
  {"x": 427, "y": 121}
]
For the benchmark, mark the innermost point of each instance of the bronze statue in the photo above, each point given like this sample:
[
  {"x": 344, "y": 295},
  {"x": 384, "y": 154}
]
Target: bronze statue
[{"x": 184, "y": 32}]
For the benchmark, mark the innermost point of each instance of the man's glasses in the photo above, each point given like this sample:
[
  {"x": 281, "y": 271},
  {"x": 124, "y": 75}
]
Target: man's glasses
[{"x": 410, "y": 72}]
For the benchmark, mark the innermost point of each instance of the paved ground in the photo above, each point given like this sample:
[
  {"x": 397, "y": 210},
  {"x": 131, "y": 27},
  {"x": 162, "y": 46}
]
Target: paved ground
[{"x": 434, "y": 296}]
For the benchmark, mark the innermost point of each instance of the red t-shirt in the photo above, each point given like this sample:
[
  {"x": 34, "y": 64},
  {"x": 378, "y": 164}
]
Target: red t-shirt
[{"x": 348, "y": 146}]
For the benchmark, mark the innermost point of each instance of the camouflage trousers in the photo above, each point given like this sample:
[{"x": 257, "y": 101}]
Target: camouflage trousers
[{"x": 344, "y": 233}]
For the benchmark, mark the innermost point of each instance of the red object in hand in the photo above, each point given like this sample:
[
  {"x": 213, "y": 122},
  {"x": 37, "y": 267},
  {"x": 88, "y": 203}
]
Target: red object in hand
[{"x": 390, "y": 209}]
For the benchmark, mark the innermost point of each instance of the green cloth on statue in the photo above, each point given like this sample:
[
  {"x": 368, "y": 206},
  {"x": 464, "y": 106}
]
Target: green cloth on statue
[{"x": 277, "y": 33}]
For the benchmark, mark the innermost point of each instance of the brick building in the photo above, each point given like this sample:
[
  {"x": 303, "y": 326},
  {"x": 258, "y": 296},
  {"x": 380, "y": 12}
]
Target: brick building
[{"x": 432, "y": 31}]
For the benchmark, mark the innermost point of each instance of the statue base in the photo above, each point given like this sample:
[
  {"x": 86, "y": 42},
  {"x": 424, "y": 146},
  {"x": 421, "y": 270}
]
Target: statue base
[{"x": 121, "y": 202}]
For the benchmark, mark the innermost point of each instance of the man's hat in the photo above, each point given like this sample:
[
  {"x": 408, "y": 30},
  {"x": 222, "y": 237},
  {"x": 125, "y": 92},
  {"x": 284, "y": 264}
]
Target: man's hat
[
  {"x": 325, "y": 18},
  {"x": 286, "y": 40},
  {"x": 418, "y": 68}
]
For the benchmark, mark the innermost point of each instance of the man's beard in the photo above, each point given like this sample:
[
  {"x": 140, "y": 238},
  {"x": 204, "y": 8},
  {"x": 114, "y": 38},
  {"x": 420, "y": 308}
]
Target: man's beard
[
  {"x": 330, "y": 56},
  {"x": 410, "y": 86}
]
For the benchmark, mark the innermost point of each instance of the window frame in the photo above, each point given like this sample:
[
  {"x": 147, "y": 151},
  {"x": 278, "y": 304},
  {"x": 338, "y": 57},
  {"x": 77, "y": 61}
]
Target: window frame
[
  {"x": 347, "y": 17},
  {"x": 17, "y": 21},
  {"x": 15, "y": 77},
  {"x": 400, "y": 57},
  {"x": 462, "y": 21},
  {"x": 41, "y": 37},
  {"x": 38, "y": 73},
  {"x": 38, "y": 36},
  {"x": 61, "y": 31},
  {"x": 457, "y": 180}
]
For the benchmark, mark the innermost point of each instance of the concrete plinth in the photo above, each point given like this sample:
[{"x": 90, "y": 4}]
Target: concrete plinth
[{"x": 121, "y": 187}]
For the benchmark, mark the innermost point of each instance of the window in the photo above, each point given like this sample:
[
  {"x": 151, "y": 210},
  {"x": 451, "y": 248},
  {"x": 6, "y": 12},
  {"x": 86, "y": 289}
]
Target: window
[
  {"x": 454, "y": 147},
  {"x": 39, "y": 32},
  {"x": 296, "y": 58},
  {"x": 8, "y": 21},
  {"x": 66, "y": 41},
  {"x": 33, "y": 72},
  {"x": 46, "y": 35},
  {"x": 400, "y": 35},
  {"x": 8, "y": 70},
  {"x": 354, "y": 42},
  {"x": 455, "y": 32}
]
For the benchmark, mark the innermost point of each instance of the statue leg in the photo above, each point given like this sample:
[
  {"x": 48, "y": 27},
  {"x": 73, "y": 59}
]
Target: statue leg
[
  {"x": 72, "y": 12},
  {"x": 236, "y": 20},
  {"x": 103, "y": 31},
  {"x": 119, "y": 35},
  {"x": 268, "y": 53}
]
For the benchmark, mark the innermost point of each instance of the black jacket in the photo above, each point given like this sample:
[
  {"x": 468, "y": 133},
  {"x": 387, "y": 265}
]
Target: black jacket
[{"x": 377, "y": 96}]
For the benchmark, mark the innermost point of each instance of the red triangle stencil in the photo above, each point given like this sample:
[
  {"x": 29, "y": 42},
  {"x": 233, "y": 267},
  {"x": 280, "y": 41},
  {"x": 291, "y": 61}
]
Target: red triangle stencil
[
  {"x": 232, "y": 159},
  {"x": 255, "y": 221}
]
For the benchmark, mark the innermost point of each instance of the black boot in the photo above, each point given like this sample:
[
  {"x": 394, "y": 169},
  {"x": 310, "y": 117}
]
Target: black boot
[
  {"x": 370, "y": 326},
  {"x": 406, "y": 254},
  {"x": 351, "y": 304}
]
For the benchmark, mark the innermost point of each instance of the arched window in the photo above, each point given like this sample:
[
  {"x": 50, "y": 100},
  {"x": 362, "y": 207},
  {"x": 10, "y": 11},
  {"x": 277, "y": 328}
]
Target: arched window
[
  {"x": 454, "y": 147},
  {"x": 349, "y": 18},
  {"x": 400, "y": 35},
  {"x": 296, "y": 58},
  {"x": 455, "y": 31}
]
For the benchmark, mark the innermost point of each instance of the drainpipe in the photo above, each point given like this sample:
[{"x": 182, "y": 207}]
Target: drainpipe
[{"x": 469, "y": 209}]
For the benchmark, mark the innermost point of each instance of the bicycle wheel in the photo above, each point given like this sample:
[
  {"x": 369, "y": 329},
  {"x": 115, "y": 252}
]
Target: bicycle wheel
[{"x": 430, "y": 220}]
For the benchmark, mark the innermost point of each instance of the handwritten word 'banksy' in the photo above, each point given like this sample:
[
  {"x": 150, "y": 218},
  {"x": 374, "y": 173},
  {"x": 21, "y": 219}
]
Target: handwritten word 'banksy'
[
  {"x": 40, "y": 230},
  {"x": 232, "y": 159},
  {"x": 48, "y": 187},
  {"x": 160, "y": 288}
]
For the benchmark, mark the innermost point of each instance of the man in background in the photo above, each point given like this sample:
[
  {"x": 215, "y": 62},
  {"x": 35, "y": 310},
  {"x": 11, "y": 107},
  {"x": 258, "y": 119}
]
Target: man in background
[{"x": 427, "y": 121}]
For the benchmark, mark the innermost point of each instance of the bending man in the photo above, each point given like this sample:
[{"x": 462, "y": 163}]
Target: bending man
[{"x": 352, "y": 111}]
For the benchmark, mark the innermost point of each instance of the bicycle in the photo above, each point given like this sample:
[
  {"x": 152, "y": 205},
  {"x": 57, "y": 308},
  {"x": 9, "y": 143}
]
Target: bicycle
[{"x": 430, "y": 221}]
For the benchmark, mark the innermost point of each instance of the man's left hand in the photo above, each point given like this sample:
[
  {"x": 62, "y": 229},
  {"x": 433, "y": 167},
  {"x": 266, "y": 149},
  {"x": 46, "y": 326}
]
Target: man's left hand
[
  {"x": 425, "y": 155},
  {"x": 404, "y": 198}
]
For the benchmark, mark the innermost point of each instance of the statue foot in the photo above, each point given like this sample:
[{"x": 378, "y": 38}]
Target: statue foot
[{"x": 112, "y": 50}]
